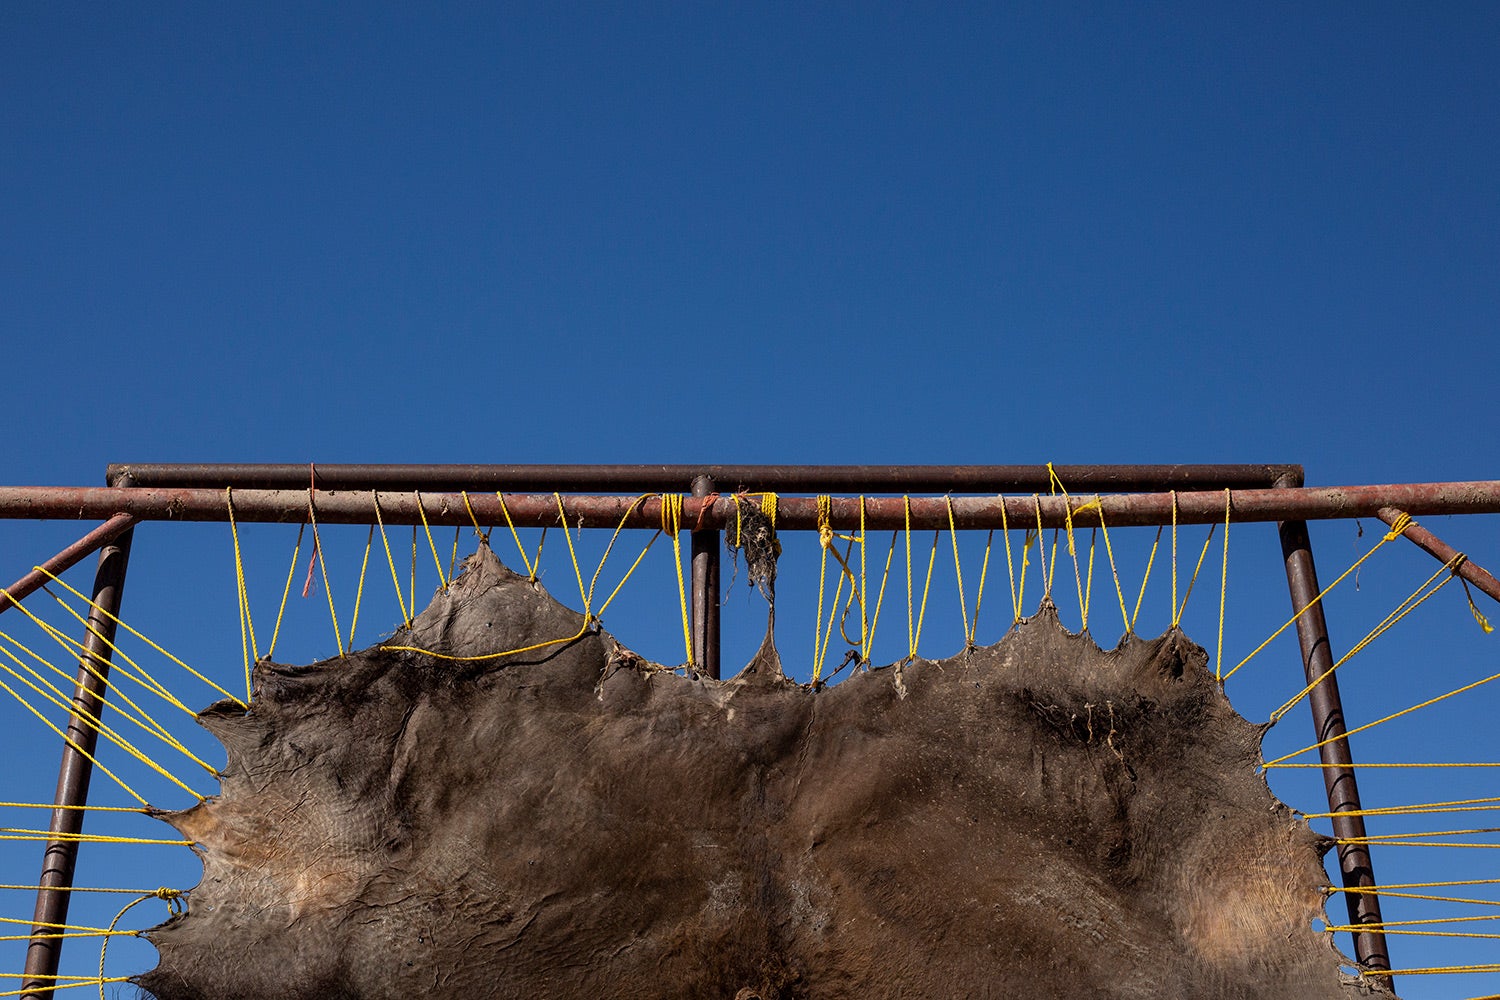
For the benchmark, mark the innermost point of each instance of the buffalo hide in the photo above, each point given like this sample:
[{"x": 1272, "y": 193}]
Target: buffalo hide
[{"x": 1038, "y": 819}]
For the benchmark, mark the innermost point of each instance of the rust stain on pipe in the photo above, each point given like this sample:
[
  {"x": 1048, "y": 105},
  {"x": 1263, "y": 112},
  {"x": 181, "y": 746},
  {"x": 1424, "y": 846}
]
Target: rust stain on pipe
[{"x": 1443, "y": 552}]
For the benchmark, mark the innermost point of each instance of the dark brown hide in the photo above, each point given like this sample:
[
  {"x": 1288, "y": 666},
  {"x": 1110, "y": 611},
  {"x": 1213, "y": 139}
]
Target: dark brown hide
[{"x": 1034, "y": 819}]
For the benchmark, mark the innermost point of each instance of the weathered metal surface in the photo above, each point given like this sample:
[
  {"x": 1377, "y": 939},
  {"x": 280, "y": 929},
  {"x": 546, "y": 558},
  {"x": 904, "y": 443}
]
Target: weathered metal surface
[
  {"x": 1443, "y": 552},
  {"x": 60, "y": 856},
  {"x": 66, "y": 559},
  {"x": 668, "y": 478},
  {"x": 1328, "y": 723},
  {"x": 705, "y": 608},
  {"x": 793, "y": 513}
]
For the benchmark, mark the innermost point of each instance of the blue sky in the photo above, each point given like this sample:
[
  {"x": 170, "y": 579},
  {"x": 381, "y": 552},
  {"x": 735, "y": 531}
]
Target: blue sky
[{"x": 770, "y": 233}]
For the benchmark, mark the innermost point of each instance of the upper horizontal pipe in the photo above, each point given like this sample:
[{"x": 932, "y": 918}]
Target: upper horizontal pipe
[
  {"x": 679, "y": 478},
  {"x": 796, "y": 513}
]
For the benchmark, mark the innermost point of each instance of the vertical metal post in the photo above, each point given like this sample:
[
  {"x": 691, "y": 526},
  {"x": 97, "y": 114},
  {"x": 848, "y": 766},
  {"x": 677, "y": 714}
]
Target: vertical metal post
[
  {"x": 706, "y": 589},
  {"x": 61, "y": 855},
  {"x": 1338, "y": 765}
]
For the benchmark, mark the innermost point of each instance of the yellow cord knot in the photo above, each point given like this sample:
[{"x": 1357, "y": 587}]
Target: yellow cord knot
[
  {"x": 1399, "y": 527},
  {"x": 825, "y": 528},
  {"x": 671, "y": 513},
  {"x": 172, "y": 897}
]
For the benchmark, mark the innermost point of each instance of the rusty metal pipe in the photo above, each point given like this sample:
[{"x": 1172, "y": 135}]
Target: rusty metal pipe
[
  {"x": 1443, "y": 552},
  {"x": 677, "y": 478},
  {"x": 705, "y": 629},
  {"x": 60, "y": 856},
  {"x": 1328, "y": 723},
  {"x": 66, "y": 559},
  {"x": 793, "y": 513}
]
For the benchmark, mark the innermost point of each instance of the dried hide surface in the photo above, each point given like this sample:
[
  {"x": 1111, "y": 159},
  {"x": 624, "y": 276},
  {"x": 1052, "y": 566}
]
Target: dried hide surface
[{"x": 1033, "y": 819}]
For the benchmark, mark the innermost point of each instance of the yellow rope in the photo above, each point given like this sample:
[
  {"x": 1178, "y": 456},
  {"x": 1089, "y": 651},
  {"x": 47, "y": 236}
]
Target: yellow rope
[
  {"x": 86, "y": 660},
  {"x": 1416, "y": 885},
  {"x": 984, "y": 568},
  {"x": 20, "y": 833},
  {"x": 1427, "y": 922},
  {"x": 1375, "y": 838},
  {"x": 826, "y": 633},
  {"x": 594, "y": 581},
  {"x": 1362, "y": 765},
  {"x": 1376, "y": 928},
  {"x": 582, "y": 631},
  {"x": 406, "y": 616},
  {"x": 70, "y": 742},
  {"x": 880, "y": 597},
  {"x": 473, "y": 519},
  {"x": 437, "y": 563},
  {"x": 1178, "y": 611},
  {"x": 1434, "y": 970},
  {"x": 171, "y": 897},
  {"x": 145, "y": 721},
  {"x": 1150, "y": 561},
  {"x": 1010, "y": 566},
  {"x": 605, "y": 606},
  {"x": 1384, "y": 894},
  {"x": 338, "y": 635},
  {"x": 864, "y": 611},
  {"x": 58, "y": 983},
  {"x": 911, "y": 641},
  {"x": 1388, "y": 718},
  {"x": 1223, "y": 590},
  {"x": 79, "y": 888},
  {"x": 286, "y": 591},
  {"x": 825, "y": 534},
  {"x": 1484, "y": 623},
  {"x": 1397, "y": 529},
  {"x": 51, "y": 926},
  {"x": 359, "y": 592},
  {"x": 1026, "y": 539},
  {"x": 562, "y": 517},
  {"x": 59, "y": 805},
  {"x": 671, "y": 523},
  {"x": 530, "y": 568},
  {"x": 958, "y": 569},
  {"x": 247, "y": 624},
  {"x": 1453, "y": 805},
  {"x": 1097, "y": 507},
  {"x": 1385, "y": 925},
  {"x": 1403, "y": 609},
  {"x": 141, "y": 636},
  {"x": 104, "y": 730},
  {"x": 1057, "y": 487},
  {"x": 1174, "y": 558},
  {"x": 588, "y": 617},
  {"x": 453, "y": 556},
  {"x": 926, "y": 589},
  {"x": 412, "y": 579},
  {"x": 1088, "y": 588}
]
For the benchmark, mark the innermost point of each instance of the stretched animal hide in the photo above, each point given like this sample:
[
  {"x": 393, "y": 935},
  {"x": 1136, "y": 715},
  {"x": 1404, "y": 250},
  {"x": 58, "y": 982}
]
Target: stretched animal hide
[{"x": 1035, "y": 819}]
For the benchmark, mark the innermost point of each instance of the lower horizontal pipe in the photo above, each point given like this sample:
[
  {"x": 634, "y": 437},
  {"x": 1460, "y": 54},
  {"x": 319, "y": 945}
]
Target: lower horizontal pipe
[{"x": 793, "y": 513}]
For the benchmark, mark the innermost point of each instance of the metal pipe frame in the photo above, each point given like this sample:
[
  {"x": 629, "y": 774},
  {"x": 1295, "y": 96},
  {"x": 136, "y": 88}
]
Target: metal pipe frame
[
  {"x": 1443, "y": 552},
  {"x": 65, "y": 560},
  {"x": 793, "y": 513},
  {"x": 60, "y": 857},
  {"x": 1338, "y": 764},
  {"x": 1120, "y": 495},
  {"x": 678, "y": 478}
]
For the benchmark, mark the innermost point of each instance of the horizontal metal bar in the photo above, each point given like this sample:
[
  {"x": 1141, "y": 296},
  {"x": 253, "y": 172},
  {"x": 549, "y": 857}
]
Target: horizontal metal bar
[
  {"x": 67, "y": 558},
  {"x": 1443, "y": 552},
  {"x": 679, "y": 478},
  {"x": 794, "y": 513}
]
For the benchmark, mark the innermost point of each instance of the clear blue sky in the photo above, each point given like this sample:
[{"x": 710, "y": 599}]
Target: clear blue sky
[{"x": 778, "y": 233}]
